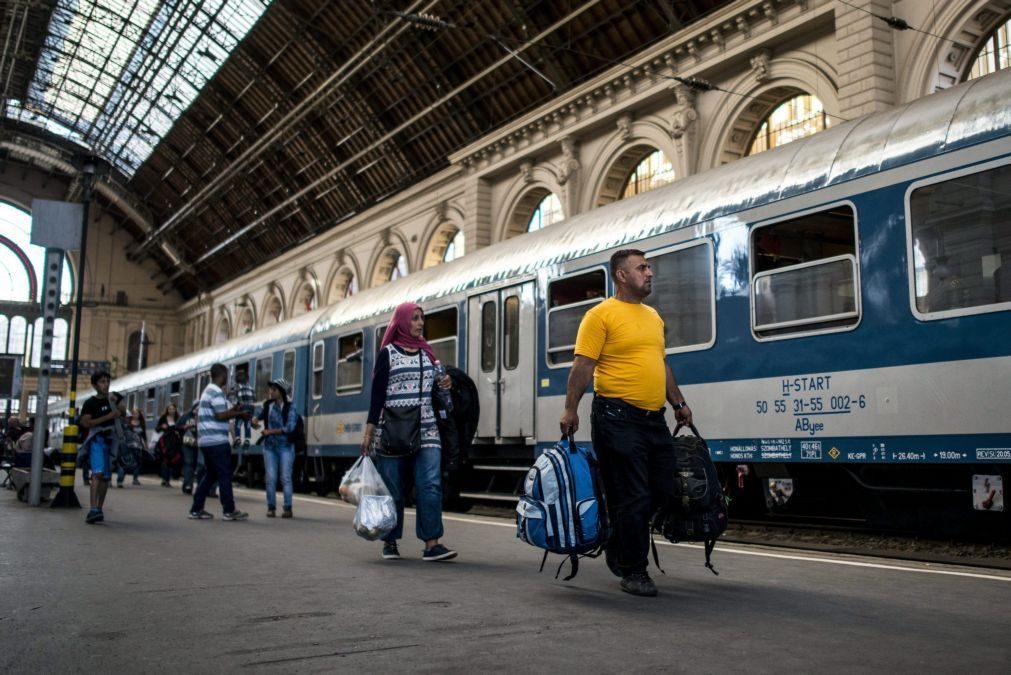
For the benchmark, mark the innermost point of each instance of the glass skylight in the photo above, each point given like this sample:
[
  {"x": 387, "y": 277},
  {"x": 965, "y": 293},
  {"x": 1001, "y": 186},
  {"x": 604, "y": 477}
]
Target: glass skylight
[{"x": 120, "y": 72}]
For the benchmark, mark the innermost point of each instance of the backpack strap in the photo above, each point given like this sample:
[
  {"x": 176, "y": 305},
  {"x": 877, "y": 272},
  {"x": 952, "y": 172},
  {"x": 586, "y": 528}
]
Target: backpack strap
[
  {"x": 710, "y": 545},
  {"x": 574, "y": 559},
  {"x": 656, "y": 558}
]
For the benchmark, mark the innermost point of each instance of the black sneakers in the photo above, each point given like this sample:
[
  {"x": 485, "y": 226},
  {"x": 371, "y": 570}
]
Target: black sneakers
[
  {"x": 390, "y": 551},
  {"x": 639, "y": 583},
  {"x": 438, "y": 552}
]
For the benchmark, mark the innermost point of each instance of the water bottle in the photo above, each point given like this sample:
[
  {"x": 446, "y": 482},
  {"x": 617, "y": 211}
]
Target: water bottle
[{"x": 445, "y": 397}]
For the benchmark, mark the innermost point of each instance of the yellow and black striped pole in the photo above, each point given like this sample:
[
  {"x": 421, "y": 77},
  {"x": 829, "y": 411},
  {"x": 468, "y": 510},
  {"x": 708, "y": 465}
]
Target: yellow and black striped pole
[
  {"x": 66, "y": 498},
  {"x": 89, "y": 166}
]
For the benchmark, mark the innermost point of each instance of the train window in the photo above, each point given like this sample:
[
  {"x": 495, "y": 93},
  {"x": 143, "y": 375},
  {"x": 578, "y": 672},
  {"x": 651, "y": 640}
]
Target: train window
[
  {"x": 202, "y": 380},
  {"x": 488, "y": 337},
  {"x": 317, "y": 370},
  {"x": 349, "y": 363},
  {"x": 569, "y": 300},
  {"x": 380, "y": 331},
  {"x": 440, "y": 331},
  {"x": 151, "y": 402},
  {"x": 684, "y": 295},
  {"x": 131, "y": 402},
  {"x": 188, "y": 395},
  {"x": 804, "y": 273},
  {"x": 174, "y": 394},
  {"x": 263, "y": 368},
  {"x": 511, "y": 333},
  {"x": 288, "y": 366},
  {"x": 960, "y": 243}
]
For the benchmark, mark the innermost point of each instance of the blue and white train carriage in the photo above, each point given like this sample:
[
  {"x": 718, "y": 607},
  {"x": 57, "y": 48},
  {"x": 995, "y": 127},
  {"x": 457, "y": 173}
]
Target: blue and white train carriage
[{"x": 837, "y": 312}]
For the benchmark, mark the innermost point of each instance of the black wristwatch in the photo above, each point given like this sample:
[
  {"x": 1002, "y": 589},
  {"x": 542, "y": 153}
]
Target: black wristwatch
[{"x": 678, "y": 406}]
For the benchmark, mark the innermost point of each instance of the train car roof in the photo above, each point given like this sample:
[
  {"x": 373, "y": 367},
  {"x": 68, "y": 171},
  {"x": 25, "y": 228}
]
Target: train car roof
[
  {"x": 955, "y": 118},
  {"x": 285, "y": 332}
]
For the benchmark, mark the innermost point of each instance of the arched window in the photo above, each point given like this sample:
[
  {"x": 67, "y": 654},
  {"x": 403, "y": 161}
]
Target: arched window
[
  {"x": 273, "y": 312},
  {"x": 305, "y": 299},
  {"x": 4, "y": 326},
  {"x": 344, "y": 285},
  {"x": 17, "y": 335},
  {"x": 446, "y": 244},
  {"x": 653, "y": 171},
  {"x": 548, "y": 212},
  {"x": 994, "y": 54},
  {"x": 61, "y": 333},
  {"x": 245, "y": 323},
  {"x": 137, "y": 348},
  {"x": 792, "y": 119},
  {"x": 224, "y": 331},
  {"x": 399, "y": 268},
  {"x": 455, "y": 247},
  {"x": 21, "y": 262}
]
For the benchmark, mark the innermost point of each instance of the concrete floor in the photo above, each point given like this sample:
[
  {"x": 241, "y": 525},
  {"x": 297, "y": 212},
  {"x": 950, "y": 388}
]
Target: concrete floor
[{"x": 150, "y": 591}]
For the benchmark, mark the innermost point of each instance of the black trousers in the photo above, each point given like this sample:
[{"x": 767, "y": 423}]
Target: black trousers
[{"x": 637, "y": 465}]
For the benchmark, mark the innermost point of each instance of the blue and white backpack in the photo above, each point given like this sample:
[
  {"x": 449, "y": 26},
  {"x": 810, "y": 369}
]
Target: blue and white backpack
[{"x": 563, "y": 509}]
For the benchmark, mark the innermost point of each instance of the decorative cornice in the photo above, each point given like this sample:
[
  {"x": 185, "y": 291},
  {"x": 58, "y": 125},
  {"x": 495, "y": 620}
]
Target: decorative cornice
[{"x": 685, "y": 51}]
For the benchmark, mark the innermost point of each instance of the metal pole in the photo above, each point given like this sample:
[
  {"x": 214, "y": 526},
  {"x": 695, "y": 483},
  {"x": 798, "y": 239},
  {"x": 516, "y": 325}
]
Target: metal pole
[
  {"x": 140, "y": 352},
  {"x": 50, "y": 301},
  {"x": 66, "y": 498}
]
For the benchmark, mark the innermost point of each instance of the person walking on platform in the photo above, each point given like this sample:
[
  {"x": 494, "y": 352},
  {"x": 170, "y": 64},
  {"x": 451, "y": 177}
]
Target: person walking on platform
[
  {"x": 170, "y": 444},
  {"x": 279, "y": 418},
  {"x": 404, "y": 376},
  {"x": 620, "y": 345},
  {"x": 98, "y": 414},
  {"x": 138, "y": 426},
  {"x": 212, "y": 439}
]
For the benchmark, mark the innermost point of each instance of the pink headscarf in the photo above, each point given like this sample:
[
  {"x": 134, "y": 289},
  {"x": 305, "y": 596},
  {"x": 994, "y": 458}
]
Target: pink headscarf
[{"x": 399, "y": 331}]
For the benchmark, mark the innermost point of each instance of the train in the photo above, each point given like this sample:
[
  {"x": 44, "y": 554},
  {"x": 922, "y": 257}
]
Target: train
[{"x": 837, "y": 312}]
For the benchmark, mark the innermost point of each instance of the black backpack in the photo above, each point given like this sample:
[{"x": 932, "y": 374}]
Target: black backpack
[{"x": 697, "y": 507}]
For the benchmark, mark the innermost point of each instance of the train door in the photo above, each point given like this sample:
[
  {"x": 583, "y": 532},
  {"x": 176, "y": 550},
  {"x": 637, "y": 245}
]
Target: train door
[{"x": 501, "y": 362}]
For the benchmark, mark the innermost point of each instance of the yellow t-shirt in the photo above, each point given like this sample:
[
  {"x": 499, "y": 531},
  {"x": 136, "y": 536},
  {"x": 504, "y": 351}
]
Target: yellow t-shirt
[{"x": 626, "y": 340}]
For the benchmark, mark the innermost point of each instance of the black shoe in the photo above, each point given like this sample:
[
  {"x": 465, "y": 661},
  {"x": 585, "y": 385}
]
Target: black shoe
[
  {"x": 438, "y": 552},
  {"x": 287, "y": 513},
  {"x": 165, "y": 483},
  {"x": 639, "y": 583},
  {"x": 187, "y": 490},
  {"x": 271, "y": 513},
  {"x": 390, "y": 551}
]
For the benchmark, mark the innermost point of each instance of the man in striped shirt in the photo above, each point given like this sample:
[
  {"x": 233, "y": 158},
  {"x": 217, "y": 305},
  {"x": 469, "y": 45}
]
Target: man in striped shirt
[{"x": 213, "y": 414}]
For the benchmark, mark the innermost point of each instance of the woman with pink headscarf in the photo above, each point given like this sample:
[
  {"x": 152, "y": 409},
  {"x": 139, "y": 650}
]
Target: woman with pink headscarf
[{"x": 405, "y": 377}]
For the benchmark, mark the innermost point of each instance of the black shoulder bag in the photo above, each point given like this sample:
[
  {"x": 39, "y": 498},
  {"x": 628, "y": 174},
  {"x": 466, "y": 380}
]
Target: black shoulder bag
[{"x": 402, "y": 424}]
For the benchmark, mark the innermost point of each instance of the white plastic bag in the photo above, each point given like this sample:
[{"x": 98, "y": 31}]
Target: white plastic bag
[
  {"x": 376, "y": 515},
  {"x": 351, "y": 484}
]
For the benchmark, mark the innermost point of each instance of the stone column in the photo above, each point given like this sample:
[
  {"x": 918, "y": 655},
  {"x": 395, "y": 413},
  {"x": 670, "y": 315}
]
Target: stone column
[
  {"x": 477, "y": 226},
  {"x": 866, "y": 58}
]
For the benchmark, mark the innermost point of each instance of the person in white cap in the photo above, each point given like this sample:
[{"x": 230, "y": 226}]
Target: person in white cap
[{"x": 279, "y": 419}]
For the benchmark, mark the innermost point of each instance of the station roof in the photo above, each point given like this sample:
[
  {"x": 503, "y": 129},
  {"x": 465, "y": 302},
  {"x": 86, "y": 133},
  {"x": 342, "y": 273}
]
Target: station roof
[{"x": 245, "y": 127}]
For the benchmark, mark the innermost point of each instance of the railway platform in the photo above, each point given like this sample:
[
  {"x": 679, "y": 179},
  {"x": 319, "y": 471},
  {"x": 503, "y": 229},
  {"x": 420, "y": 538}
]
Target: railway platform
[{"x": 150, "y": 591}]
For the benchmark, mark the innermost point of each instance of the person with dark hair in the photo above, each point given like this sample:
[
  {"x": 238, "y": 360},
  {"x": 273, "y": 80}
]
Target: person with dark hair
[
  {"x": 98, "y": 415},
  {"x": 620, "y": 346},
  {"x": 212, "y": 439},
  {"x": 170, "y": 443},
  {"x": 404, "y": 377},
  {"x": 279, "y": 418}
]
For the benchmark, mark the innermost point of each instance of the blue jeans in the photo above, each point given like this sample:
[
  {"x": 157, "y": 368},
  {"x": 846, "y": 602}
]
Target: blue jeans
[
  {"x": 242, "y": 429},
  {"x": 425, "y": 468},
  {"x": 218, "y": 460},
  {"x": 190, "y": 455},
  {"x": 271, "y": 458}
]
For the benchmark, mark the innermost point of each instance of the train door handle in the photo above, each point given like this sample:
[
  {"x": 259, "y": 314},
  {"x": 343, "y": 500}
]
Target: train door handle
[{"x": 315, "y": 412}]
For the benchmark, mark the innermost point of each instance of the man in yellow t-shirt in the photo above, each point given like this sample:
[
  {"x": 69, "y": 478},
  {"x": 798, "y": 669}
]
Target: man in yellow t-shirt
[{"x": 620, "y": 345}]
